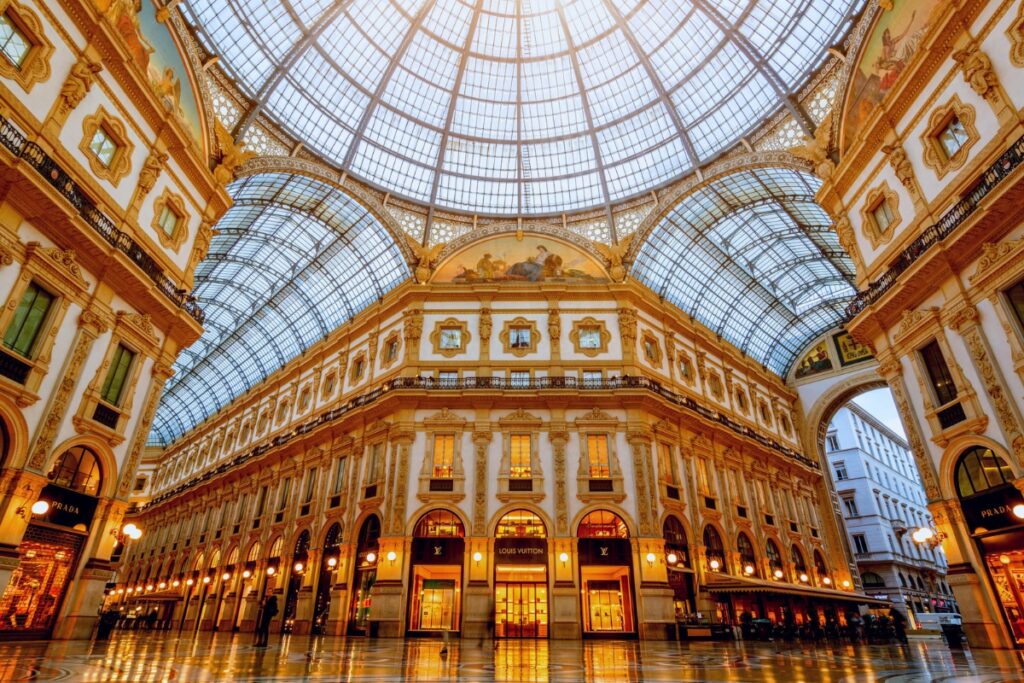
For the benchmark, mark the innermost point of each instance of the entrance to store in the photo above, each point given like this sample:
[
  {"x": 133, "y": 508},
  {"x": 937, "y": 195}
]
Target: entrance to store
[
  {"x": 364, "y": 576},
  {"x": 607, "y": 605},
  {"x": 606, "y": 558},
  {"x": 435, "y": 601},
  {"x": 29, "y": 605},
  {"x": 520, "y": 607},
  {"x": 438, "y": 551}
]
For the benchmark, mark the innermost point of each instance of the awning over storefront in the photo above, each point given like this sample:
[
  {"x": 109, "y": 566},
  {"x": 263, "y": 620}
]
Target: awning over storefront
[{"x": 723, "y": 583}]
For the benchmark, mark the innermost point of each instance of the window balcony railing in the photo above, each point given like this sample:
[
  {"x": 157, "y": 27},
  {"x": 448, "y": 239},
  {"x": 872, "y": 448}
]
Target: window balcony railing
[
  {"x": 494, "y": 383},
  {"x": 1010, "y": 160},
  {"x": 45, "y": 166}
]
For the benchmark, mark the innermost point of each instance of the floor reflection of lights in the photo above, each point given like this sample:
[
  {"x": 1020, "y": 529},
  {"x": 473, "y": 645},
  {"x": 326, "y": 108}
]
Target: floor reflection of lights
[{"x": 143, "y": 656}]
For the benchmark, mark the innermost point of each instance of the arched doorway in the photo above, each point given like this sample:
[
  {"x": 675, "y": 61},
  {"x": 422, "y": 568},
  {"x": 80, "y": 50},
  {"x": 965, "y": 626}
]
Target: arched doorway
[
  {"x": 775, "y": 564},
  {"x": 714, "y": 550},
  {"x": 994, "y": 511},
  {"x": 435, "y": 573},
  {"x": 606, "y": 566},
  {"x": 300, "y": 558},
  {"x": 680, "y": 573},
  {"x": 329, "y": 559},
  {"x": 364, "y": 576},
  {"x": 51, "y": 546},
  {"x": 520, "y": 576}
]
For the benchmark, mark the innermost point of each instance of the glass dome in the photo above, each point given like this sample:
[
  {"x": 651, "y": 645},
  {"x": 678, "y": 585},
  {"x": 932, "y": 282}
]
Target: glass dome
[{"x": 519, "y": 106}]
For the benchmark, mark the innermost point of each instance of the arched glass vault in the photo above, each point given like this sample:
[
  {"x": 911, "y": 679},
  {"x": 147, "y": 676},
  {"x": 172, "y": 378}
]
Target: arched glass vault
[
  {"x": 519, "y": 106},
  {"x": 753, "y": 257},
  {"x": 293, "y": 259}
]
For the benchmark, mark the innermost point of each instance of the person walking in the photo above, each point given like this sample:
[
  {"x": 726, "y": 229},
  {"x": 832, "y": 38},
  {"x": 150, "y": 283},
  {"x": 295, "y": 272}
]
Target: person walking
[{"x": 267, "y": 614}]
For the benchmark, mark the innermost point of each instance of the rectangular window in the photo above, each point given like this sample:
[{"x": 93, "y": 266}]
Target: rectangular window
[
  {"x": 261, "y": 502},
  {"x": 1015, "y": 298},
  {"x": 938, "y": 373},
  {"x": 103, "y": 146},
  {"x": 519, "y": 337},
  {"x": 451, "y": 338},
  {"x": 592, "y": 378},
  {"x": 882, "y": 215},
  {"x": 444, "y": 455},
  {"x": 286, "y": 489},
  {"x": 519, "y": 378},
  {"x": 831, "y": 442},
  {"x": 168, "y": 221},
  {"x": 117, "y": 375},
  {"x": 28, "y": 320},
  {"x": 597, "y": 454},
  {"x": 242, "y": 503},
  {"x": 310, "y": 485},
  {"x": 952, "y": 137},
  {"x": 14, "y": 44},
  {"x": 851, "y": 507},
  {"x": 841, "y": 473},
  {"x": 140, "y": 484},
  {"x": 373, "y": 468},
  {"x": 448, "y": 379},
  {"x": 860, "y": 545},
  {"x": 520, "y": 457},
  {"x": 339, "y": 475},
  {"x": 665, "y": 463}
]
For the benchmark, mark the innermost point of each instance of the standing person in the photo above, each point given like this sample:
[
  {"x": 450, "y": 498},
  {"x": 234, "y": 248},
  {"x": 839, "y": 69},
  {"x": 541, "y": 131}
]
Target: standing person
[
  {"x": 899, "y": 624},
  {"x": 267, "y": 615},
  {"x": 151, "y": 618}
]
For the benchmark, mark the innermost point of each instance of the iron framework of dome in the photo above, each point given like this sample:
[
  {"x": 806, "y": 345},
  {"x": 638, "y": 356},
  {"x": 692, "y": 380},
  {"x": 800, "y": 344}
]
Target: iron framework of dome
[{"x": 519, "y": 106}]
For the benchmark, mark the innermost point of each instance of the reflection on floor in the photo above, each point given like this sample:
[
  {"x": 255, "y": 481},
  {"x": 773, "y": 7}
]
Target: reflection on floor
[{"x": 143, "y": 656}]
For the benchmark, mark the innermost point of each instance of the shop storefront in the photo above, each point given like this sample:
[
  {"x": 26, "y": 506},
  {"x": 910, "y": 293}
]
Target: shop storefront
[
  {"x": 364, "y": 576},
  {"x": 521, "y": 576},
  {"x": 435, "y": 596},
  {"x": 329, "y": 559},
  {"x": 606, "y": 561},
  {"x": 300, "y": 558},
  {"x": 680, "y": 573},
  {"x": 51, "y": 547},
  {"x": 994, "y": 511}
]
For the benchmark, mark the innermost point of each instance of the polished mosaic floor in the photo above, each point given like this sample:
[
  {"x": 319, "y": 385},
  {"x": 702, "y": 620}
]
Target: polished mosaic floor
[{"x": 143, "y": 656}]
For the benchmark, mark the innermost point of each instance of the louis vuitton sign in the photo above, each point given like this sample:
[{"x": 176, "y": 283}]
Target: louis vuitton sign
[
  {"x": 438, "y": 550},
  {"x": 521, "y": 551},
  {"x": 608, "y": 551}
]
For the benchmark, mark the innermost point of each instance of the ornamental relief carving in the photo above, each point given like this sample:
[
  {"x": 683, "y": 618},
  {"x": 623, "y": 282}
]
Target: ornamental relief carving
[
  {"x": 77, "y": 86},
  {"x": 1016, "y": 35},
  {"x": 119, "y": 163},
  {"x": 1005, "y": 413},
  {"x": 935, "y": 156},
  {"x": 35, "y": 65},
  {"x": 917, "y": 447},
  {"x": 996, "y": 255}
]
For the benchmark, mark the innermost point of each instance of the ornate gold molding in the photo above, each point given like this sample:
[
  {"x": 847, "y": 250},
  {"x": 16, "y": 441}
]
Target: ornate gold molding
[
  {"x": 869, "y": 224},
  {"x": 588, "y": 323},
  {"x": 1015, "y": 32},
  {"x": 120, "y": 162},
  {"x": 935, "y": 156},
  {"x": 77, "y": 86},
  {"x": 176, "y": 204},
  {"x": 35, "y": 67},
  {"x": 450, "y": 324},
  {"x": 506, "y": 333}
]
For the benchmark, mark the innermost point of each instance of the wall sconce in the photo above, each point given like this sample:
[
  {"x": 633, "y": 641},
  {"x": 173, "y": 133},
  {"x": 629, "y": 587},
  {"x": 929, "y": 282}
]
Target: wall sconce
[
  {"x": 846, "y": 584},
  {"x": 189, "y": 582},
  {"x": 777, "y": 573},
  {"x": 299, "y": 567},
  {"x": 130, "y": 590},
  {"x": 392, "y": 556},
  {"x": 162, "y": 585},
  {"x": 120, "y": 591},
  {"x": 225, "y": 576},
  {"x": 40, "y": 507},
  {"x": 128, "y": 531},
  {"x": 206, "y": 579},
  {"x": 563, "y": 558},
  {"x": 749, "y": 570},
  {"x": 332, "y": 562},
  {"x": 175, "y": 583},
  {"x": 246, "y": 573},
  {"x": 827, "y": 581},
  {"x": 149, "y": 587},
  {"x": 714, "y": 564},
  {"x": 650, "y": 559},
  {"x": 672, "y": 558},
  {"x": 271, "y": 570},
  {"x": 371, "y": 558},
  {"x": 803, "y": 577},
  {"x": 477, "y": 557},
  {"x": 1018, "y": 510}
]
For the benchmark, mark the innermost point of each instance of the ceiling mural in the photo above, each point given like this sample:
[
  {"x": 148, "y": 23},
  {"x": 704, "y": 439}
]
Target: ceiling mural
[{"x": 512, "y": 258}]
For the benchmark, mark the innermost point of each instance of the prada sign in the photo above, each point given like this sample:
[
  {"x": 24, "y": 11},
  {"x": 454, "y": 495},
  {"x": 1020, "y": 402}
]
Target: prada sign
[
  {"x": 68, "y": 508},
  {"x": 438, "y": 550},
  {"x": 521, "y": 551},
  {"x": 609, "y": 551},
  {"x": 993, "y": 509}
]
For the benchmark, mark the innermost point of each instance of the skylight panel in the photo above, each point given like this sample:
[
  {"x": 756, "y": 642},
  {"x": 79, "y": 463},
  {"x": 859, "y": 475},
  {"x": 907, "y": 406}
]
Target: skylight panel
[
  {"x": 682, "y": 55},
  {"x": 310, "y": 10},
  {"x": 627, "y": 94},
  {"x": 656, "y": 21},
  {"x": 549, "y": 79},
  {"x": 480, "y": 159},
  {"x": 417, "y": 98},
  {"x": 606, "y": 59},
  {"x": 553, "y": 195},
  {"x": 388, "y": 170},
  {"x": 542, "y": 35},
  {"x": 383, "y": 23},
  {"x": 650, "y": 169},
  {"x": 478, "y": 195},
  {"x": 649, "y": 128},
  {"x": 496, "y": 36},
  {"x": 489, "y": 79},
  {"x": 587, "y": 21},
  {"x": 724, "y": 72},
  {"x": 733, "y": 117},
  {"x": 559, "y": 157},
  {"x": 450, "y": 22},
  {"x": 353, "y": 53},
  {"x": 432, "y": 61}
]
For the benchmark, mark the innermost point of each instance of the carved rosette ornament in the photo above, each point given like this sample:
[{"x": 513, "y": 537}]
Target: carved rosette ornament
[
  {"x": 61, "y": 398},
  {"x": 77, "y": 86},
  {"x": 481, "y": 441},
  {"x": 559, "y": 439}
]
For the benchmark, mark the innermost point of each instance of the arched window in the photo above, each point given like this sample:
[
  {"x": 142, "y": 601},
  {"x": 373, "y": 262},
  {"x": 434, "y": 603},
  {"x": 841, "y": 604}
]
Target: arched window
[
  {"x": 675, "y": 540},
  {"x": 254, "y": 552},
  {"x": 276, "y": 547},
  {"x": 819, "y": 564},
  {"x": 302, "y": 545},
  {"x": 903, "y": 580},
  {"x": 872, "y": 580},
  {"x": 979, "y": 469},
  {"x": 798, "y": 559},
  {"x": 78, "y": 469},
  {"x": 714, "y": 549},
  {"x": 774, "y": 558},
  {"x": 369, "y": 533},
  {"x": 602, "y": 524},
  {"x": 748, "y": 559},
  {"x": 520, "y": 524},
  {"x": 333, "y": 538},
  {"x": 439, "y": 523}
]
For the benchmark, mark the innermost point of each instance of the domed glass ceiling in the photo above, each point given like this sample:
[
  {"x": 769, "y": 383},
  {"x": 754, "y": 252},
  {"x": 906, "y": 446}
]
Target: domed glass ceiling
[{"x": 519, "y": 106}]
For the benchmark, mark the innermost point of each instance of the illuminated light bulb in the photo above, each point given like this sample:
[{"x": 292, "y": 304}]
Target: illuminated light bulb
[
  {"x": 846, "y": 584},
  {"x": 120, "y": 591},
  {"x": 162, "y": 585},
  {"x": 749, "y": 569},
  {"x": 827, "y": 581},
  {"x": 1018, "y": 510},
  {"x": 371, "y": 557},
  {"x": 149, "y": 587},
  {"x": 175, "y": 583},
  {"x": 246, "y": 573},
  {"x": 715, "y": 564},
  {"x": 650, "y": 559},
  {"x": 332, "y": 562},
  {"x": 299, "y": 566},
  {"x": 40, "y": 507},
  {"x": 206, "y": 579},
  {"x": 130, "y": 590},
  {"x": 1005, "y": 559},
  {"x": 672, "y": 558},
  {"x": 392, "y": 556},
  {"x": 777, "y": 573},
  {"x": 270, "y": 571},
  {"x": 803, "y": 577},
  {"x": 225, "y": 576},
  {"x": 189, "y": 582},
  {"x": 563, "y": 558}
]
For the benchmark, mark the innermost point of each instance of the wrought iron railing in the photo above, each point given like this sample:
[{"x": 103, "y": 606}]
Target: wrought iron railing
[
  {"x": 45, "y": 166},
  {"x": 489, "y": 384},
  {"x": 950, "y": 221}
]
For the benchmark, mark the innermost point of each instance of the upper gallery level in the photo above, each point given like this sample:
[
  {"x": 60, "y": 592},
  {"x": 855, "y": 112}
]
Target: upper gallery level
[
  {"x": 108, "y": 147},
  {"x": 508, "y": 318}
]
